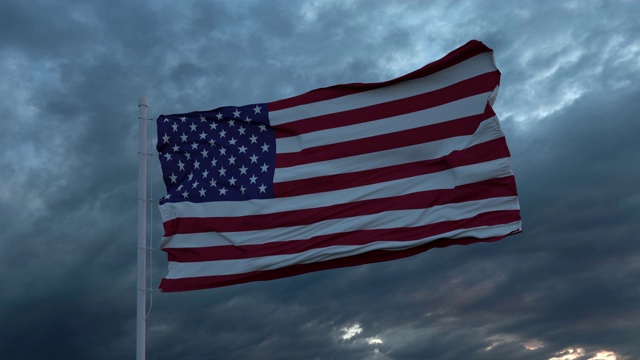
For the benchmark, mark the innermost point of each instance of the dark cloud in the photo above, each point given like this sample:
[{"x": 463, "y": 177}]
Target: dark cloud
[{"x": 71, "y": 73}]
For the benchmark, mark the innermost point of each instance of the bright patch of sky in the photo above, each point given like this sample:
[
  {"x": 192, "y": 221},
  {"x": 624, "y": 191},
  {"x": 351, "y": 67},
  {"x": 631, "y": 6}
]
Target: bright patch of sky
[
  {"x": 577, "y": 353},
  {"x": 351, "y": 331}
]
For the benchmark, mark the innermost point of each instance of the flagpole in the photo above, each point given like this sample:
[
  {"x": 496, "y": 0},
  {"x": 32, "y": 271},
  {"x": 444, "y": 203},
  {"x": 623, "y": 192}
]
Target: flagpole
[{"x": 142, "y": 229}]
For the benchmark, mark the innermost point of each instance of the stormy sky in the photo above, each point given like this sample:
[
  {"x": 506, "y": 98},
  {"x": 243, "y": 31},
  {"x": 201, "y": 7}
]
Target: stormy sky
[{"x": 71, "y": 73}]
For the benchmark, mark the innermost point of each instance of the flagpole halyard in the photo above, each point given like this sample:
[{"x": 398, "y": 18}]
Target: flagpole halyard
[{"x": 142, "y": 230}]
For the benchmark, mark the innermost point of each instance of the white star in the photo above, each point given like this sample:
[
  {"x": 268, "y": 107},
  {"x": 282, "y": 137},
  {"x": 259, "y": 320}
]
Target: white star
[
  {"x": 223, "y": 151},
  {"x": 204, "y": 153},
  {"x": 190, "y": 176},
  {"x": 263, "y": 189},
  {"x": 213, "y": 183},
  {"x": 195, "y": 184},
  {"x": 254, "y": 158},
  {"x": 203, "y": 135},
  {"x": 167, "y": 156},
  {"x": 213, "y": 125},
  {"x": 166, "y": 197},
  {"x": 247, "y": 119},
  {"x": 232, "y": 122},
  {"x": 166, "y": 120},
  {"x": 176, "y": 147},
  {"x": 202, "y": 192},
  {"x": 180, "y": 165},
  {"x": 236, "y": 114},
  {"x": 253, "y": 139},
  {"x": 202, "y": 118},
  {"x": 223, "y": 191},
  {"x": 173, "y": 178},
  {"x": 232, "y": 141},
  {"x": 193, "y": 127},
  {"x": 205, "y": 173},
  {"x": 253, "y": 179},
  {"x": 212, "y": 142},
  {"x": 175, "y": 127},
  {"x": 183, "y": 137},
  {"x": 265, "y": 147},
  {"x": 242, "y": 188},
  {"x": 232, "y": 160},
  {"x": 194, "y": 145},
  {"x": 196, "y": 165},
  {"x": 183, "y": 119},
  {"x": 214, "y": 162},
  {"x": 219, "y": 116},
  {"x": 180, "y": 187},
  {"x": 242, "y": 149},
  {"x": 262, "y": 128},
  {"x": 241, "y": 130},
  {"x": 243, "y": 170},
  {"x": 223, "y": 133},
  {"x": 165, "y": 138},
  {"x": 185, "y": 194},
  {"x": 222, "y": 171},
  {"x": 232, "y": 181},
  {"x": 257, "y": 109},
  {"x": 264, "y": 167},
  {"x": 188, "y": 155}
]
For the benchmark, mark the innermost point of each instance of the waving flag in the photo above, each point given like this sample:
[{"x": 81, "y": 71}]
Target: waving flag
[{"x": 339, "y": 176}]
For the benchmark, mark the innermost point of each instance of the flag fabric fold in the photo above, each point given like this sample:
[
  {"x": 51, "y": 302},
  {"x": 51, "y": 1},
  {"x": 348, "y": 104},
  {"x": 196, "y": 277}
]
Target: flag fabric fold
[{"x": 340, "y": 176}]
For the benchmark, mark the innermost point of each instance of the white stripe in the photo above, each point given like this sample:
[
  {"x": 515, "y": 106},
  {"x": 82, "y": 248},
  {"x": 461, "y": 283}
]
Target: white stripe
[
  {"x": 385, "y": 220},
  {"x": 446, "y": 179},
  {"x": 477, "y": 65},
  {"x": 488, "y": 130},
  {"x": 230, "y": 267},
  {"x": 472, "y": 105}
]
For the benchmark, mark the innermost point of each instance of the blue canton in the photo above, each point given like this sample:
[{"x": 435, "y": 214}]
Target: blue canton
[{"x": 226, "y": 154}]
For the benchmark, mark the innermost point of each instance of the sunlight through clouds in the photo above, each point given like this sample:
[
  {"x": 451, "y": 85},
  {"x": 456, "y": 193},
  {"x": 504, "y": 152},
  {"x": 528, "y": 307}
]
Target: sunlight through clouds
[
  {"x": 604, "y": 355},
  {"x": 533, "y": 345},
  {"x": 351, "y": 331},
  {"x": 579, "y": 353},
  {"x": 569, "y": 354}
]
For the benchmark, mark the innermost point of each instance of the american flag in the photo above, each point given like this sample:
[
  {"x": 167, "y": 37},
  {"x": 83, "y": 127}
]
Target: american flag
[{"x": 339, "y": 176}]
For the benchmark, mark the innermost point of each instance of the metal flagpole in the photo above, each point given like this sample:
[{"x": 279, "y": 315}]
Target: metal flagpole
[{"x": 142, "y": 229}]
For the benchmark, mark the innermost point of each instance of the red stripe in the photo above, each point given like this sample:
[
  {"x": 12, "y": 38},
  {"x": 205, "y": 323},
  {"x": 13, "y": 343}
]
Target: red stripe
[
  {"x": 465, "y": 52},
  {"x": 461, "y": 127},
  {"x": 469, "y": 87},
  {"x": 487, "y": 151},
  {"x": 205, "y": 282},
  {"x": 477, "y": 191},
  {"x": 361, "y": 237}
]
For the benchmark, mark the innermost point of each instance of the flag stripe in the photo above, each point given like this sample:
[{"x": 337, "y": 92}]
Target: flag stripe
[
  {"x": 469, "y": 106},
  {"x": 359, "y": 237},
  {"x": 441, "y": 180},
  {"x": 207, "y": 282},
  {"x": 449, "y": 70},
  {"x": 484, "y": 83},
  {"x": 237, "y": 266},
  {"x": 391, "y": 219},
  {"x": 488, "y": 130},
  {"x": 396, "y": 218},
  {"x": 417, "y": 200},
  {"x": 461, "y": 127},
  {"x": 483, "y": 152}
]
